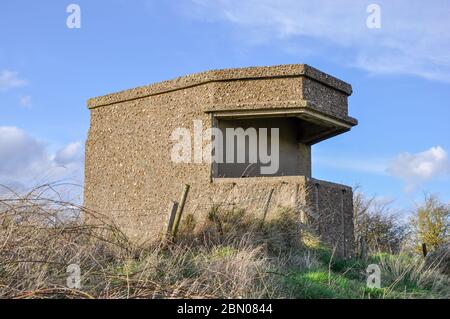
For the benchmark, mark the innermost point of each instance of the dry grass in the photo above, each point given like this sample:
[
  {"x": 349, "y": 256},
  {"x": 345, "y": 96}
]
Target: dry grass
[
  {"x": 411, "y": 272},
  {"x": 41, "y": 235},
  {"x": 228, "y": 255}
]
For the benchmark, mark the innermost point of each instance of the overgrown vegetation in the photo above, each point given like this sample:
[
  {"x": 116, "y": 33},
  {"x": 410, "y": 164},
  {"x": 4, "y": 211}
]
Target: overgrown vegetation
[
  {"x": 431, "y": 224},
  {"x": 383, "y": 230},
  {"x": 377, "y": 225},
  {"x": 228, "y": 255}
]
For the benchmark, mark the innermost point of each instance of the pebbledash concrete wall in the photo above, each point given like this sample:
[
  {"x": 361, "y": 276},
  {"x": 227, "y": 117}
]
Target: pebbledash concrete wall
[{"x": 131, "y": 177}]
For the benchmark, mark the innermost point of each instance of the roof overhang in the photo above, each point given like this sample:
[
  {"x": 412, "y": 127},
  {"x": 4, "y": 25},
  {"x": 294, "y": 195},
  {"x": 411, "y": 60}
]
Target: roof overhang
[{"x": 317, "y": 126}]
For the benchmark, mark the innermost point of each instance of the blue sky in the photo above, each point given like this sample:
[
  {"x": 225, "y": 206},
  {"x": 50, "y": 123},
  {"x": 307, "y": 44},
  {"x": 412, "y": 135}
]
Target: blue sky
[{"x": 400, "y": 75}]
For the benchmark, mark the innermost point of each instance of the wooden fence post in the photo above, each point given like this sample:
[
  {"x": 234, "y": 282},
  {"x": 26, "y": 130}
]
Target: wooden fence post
[
  {"x": 424, "y": 250},
  {"x": 180, "y": 210},
  {"x": 172, "y": 213},
  {"x": 362, "y": 247},
  {"x": 266, "y": 206}
]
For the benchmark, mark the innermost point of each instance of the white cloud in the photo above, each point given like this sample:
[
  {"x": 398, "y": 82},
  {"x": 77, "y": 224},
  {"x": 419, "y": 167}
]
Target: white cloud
[
  {"x": 19, "y": 152},
  {"x": 26, "y": 160},
  {"x": 69, "y": 154},
  {"x": 25, "y": 101},
  {"x": 412, "y": 169},
  {"x": 10, "y": 80},
  {"x": 418, "y": 168},
  {"x": 413, "y": 38}
]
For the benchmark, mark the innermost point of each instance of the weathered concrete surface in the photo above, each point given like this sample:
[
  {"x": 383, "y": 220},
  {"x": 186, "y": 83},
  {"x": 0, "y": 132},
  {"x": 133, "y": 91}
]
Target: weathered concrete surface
[
  {"x": 326, "y": 207},
  {"x": 129, "y": 173}
]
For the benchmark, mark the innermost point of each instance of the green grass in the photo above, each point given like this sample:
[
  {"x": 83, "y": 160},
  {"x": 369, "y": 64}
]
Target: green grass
[{"x": 402, "y": 276}]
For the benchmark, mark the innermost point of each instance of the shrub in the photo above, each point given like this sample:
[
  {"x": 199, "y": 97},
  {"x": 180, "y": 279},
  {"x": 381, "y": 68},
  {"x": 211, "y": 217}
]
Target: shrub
[
  {"x": 377, "y": 225},
  {"x": 431, "y": 224}
]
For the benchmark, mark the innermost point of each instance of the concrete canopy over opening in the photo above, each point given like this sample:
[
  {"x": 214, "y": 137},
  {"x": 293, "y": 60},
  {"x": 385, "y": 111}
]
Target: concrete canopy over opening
[{"x": 315, "y": 126}]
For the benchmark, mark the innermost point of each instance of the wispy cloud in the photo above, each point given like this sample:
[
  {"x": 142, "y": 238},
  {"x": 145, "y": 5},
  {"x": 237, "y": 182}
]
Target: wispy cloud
[
  {"x": 10, "y": 80},
  {"x": 25, "y": 101},
  {"x": 415, "y": 169},
  {"x": 413, "y": 37}
]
